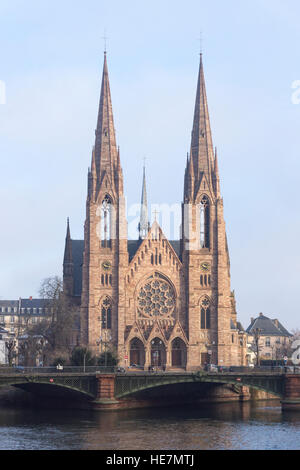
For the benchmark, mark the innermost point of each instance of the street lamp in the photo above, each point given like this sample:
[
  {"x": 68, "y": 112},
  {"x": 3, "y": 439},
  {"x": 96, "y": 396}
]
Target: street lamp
[
  {"x": 156, "y": 352},
  {"x": 104, "y": 340}
]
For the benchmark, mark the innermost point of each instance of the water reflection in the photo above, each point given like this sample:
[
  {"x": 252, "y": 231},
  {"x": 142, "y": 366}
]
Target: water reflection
[{"x": 259, "y": 425}]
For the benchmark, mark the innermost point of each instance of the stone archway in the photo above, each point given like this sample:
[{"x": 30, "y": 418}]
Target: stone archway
[
  {"x": 158, "y": 353},
  {"x": 179, "y": 354},
  {"x": 137, "y": 352}
]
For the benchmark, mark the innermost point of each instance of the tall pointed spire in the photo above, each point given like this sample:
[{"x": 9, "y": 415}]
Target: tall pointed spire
[
  {"x": 202, "y": 151},
  {"x": 105, "y": 146},
  {"x": 144, "y": 220},
  {"x": 68, "y": 258}
]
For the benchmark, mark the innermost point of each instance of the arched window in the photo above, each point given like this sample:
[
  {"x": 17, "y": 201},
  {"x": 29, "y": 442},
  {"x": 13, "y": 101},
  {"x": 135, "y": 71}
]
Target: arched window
[
  {"x": 205, "y": 314},
  {"x": 106, "y": 308},
  {"x": 106, "y": 213},
  {"x": 204, "y": 222}
]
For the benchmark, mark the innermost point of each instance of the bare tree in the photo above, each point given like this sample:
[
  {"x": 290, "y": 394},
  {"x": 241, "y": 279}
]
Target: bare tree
[
  {"x": 256, "y": 338},
  {"x": 11, "y": 351},
  {"x": 59, "y": 328}
]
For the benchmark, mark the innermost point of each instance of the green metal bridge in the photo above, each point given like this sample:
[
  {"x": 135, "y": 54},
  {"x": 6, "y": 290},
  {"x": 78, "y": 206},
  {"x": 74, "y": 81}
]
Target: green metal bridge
[{"x": 105, "y": 387}]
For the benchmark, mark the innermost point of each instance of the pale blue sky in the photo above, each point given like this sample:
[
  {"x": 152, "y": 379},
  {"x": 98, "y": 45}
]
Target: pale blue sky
[{"x": 51, "y": 62}]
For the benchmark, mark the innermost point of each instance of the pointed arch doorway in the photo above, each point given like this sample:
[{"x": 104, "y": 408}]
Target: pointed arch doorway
[
  {"x": 179, "y": 356},
  {"x": 158, "y": 353},
  {"x": 137, "y": 353}
]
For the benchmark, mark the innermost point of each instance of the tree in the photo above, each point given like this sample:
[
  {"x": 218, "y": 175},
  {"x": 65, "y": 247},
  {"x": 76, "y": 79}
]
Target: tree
[
  {"x": 11, "y": 351},
  {"x": 60, "y": 327},
  {"x": 107, "y": 358},
  {"x": 82, "y": 357},
  {"x": 256, "y": 338}
]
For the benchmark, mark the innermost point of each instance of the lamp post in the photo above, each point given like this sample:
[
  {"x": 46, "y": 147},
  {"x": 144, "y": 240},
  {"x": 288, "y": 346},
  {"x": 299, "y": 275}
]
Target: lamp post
[
  {"x": 156, "y": 352},
  {"x": 104, "y": 340}
]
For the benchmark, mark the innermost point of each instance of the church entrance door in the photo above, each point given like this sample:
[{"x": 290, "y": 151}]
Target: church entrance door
[
  {"x": 137, "y": 353},
  {"x": 179, "y": 355},
  {"x": 158, "y": 353}
]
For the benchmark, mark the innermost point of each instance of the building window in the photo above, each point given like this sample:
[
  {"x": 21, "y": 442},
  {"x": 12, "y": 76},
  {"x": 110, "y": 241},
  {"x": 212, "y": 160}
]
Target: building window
[
  {"x": 268, "y": 342},
  {"x": 106, "y": 215},
  {"x": 204, "y": 222},
  {"x": 156, "y": 298},
  {"x": 106, "y": 309},
  {"x": 205, "y": 314}
]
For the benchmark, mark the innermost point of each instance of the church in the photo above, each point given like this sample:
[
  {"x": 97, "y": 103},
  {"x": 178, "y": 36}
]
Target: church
[{"x": 155, "y": 302}]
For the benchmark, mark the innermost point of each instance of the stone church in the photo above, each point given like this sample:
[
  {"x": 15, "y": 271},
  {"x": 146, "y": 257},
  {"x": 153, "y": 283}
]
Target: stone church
[{"x": 155, "y": 301}]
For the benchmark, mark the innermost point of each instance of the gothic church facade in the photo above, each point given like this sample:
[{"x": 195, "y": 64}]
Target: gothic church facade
[{"x": 154, "y": 301}]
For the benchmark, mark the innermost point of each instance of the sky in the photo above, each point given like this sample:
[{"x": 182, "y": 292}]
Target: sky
[{"x": 51, "y": 66}]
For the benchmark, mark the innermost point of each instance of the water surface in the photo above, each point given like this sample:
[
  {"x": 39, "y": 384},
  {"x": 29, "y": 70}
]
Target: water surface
[{"x": 256, "y": 425}]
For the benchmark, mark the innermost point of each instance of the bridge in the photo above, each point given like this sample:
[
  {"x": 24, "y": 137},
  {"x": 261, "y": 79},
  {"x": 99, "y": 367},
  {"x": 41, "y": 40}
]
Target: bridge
[{"x": 108, "y": 389}]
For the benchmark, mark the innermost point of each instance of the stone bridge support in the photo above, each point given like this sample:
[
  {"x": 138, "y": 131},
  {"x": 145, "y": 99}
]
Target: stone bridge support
[
  {"x": 291, "y": 396},
  {"x": 105, "y": 398}
]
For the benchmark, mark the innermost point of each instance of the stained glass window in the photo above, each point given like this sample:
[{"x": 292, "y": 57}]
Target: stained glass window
[{"x": 156, "y": 298}]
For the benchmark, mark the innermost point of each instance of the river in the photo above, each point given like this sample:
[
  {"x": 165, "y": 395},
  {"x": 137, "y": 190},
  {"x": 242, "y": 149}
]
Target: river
[{"x": 255, "y": 425}]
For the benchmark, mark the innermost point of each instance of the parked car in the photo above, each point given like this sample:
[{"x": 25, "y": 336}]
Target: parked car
[
  {"x": 20, "y": 369},
  {"x": 223, "y": 368},
  {"x": 211, "y": 368}
]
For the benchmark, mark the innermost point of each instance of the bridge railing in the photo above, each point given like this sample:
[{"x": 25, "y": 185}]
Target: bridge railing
[
  {"x": 258, "y": 369},
  {"x": 59, "y": 370},
  {"x": 115, "y": 369}
]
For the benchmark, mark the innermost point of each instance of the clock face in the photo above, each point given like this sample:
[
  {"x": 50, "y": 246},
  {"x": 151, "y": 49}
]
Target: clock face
[
  {"x": 106, "y": 265},
  {"x": 205, "y": 267}
]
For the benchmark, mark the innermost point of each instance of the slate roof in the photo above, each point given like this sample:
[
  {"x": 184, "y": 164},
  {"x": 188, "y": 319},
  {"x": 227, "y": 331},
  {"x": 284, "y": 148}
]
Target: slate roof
[
  {"x": 268, "y": 327},
  {"x": 77, "y": 253},
  {"x": 23, "y": 303}
]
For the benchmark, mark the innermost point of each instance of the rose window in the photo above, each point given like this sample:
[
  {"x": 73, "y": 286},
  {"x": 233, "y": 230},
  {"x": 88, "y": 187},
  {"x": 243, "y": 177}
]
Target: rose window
[{"x": 156, "y": 299}]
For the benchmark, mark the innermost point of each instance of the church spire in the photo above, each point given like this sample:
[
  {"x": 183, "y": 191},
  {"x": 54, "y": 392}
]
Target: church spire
[
  {"x": 202, "y": 151},
  {"x": 68, "y": 258},
  {"x": 144, "y": 220},
  {"x": 105, "y": 145}
]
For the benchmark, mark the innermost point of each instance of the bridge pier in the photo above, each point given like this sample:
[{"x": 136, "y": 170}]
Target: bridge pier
[
  {"x": 105, "y": 398},
  {"x": 291, "y": 397}
]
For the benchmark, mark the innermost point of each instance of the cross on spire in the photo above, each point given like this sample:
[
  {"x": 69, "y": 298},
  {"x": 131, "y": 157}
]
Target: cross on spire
[
  {"x": 201, "y": 42},
  {"x": 105, "y": 38},
  {"x": 155, "y": 212}
]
